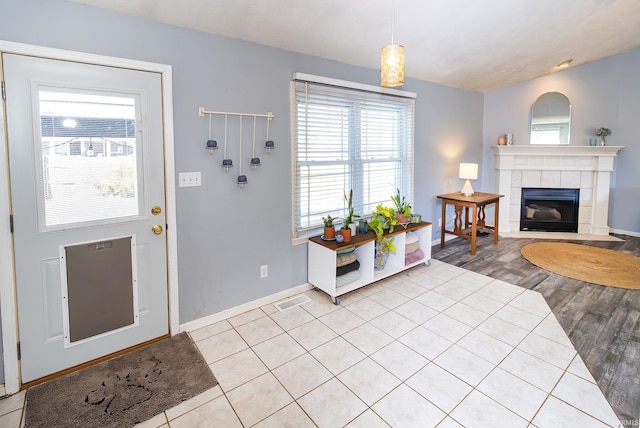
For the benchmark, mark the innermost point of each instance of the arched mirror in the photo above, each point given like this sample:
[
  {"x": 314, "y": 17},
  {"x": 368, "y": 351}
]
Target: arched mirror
[{"x": 551, "y": 119}]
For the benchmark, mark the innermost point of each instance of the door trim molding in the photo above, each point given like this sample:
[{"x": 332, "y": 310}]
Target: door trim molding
[{"x": 7, "y": 276}]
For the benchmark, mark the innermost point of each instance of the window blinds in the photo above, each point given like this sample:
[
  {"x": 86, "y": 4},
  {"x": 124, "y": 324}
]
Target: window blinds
[{"x": 348, "y": 139}]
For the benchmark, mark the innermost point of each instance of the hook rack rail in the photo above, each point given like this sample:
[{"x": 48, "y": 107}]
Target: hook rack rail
[{"x": 202, "y": 112}]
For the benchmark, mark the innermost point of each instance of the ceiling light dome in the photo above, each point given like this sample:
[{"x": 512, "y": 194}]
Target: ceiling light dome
[{"x": 564, "y": 64}]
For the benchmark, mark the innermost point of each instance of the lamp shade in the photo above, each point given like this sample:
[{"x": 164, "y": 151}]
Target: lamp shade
[
  {"x": 468, "y": 171},
  {"x": 392, "y": 66}
]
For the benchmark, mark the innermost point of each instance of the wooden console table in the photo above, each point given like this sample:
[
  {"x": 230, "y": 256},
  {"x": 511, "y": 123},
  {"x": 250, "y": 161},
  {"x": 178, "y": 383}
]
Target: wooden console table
[{"x": 476, "y": 202}]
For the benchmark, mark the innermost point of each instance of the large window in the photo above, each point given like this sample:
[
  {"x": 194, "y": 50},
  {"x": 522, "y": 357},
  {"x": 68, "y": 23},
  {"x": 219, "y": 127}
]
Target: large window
[{"x": 348, "y": 139}]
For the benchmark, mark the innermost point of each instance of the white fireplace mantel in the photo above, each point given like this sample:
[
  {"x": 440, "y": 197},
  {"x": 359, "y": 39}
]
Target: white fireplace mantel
[
  {"x": 561, "y": 150},
  {"x": 587, "y": 168}
]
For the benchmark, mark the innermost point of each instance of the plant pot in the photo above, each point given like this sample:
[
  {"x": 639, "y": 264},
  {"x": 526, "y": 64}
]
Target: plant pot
[
  {"x": 402, "y": 218},
  {"x": 346, "y": 234},
  {"x": 352, "y": 227},
  {"x": 329, "y": 233},
  {"x": 384, "y": 221}
]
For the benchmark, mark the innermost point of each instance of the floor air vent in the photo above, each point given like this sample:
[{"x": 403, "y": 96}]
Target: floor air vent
[{"x": 290, "y": 303}]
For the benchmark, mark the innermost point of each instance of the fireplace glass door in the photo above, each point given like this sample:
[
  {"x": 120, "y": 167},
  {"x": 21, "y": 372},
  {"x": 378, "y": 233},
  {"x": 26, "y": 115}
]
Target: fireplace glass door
[{"x": 549, "y": 209}]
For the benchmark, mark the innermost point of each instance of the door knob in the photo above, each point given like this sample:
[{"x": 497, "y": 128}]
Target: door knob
[
  {"x": 156, "y": 210},
  {"x": 157, "y": 229}
]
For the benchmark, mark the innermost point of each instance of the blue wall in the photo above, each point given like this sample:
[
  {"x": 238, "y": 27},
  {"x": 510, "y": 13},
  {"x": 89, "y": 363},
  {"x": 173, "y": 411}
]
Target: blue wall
[
  {"x": 604, "y": 93},
  {"x": 225, "y": 233}
]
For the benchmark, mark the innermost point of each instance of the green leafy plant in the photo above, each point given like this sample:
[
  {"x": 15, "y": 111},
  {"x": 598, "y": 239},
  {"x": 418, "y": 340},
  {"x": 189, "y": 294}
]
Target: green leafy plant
[
  {"x": 604, "y": 133},
  {"x": 403, "y": 208},
  {"x": 350, "y": 215},
  {"x": 328, "y": 220},
  {"x": 386, "y": 245},
  {"x": 383, "y": 218}
]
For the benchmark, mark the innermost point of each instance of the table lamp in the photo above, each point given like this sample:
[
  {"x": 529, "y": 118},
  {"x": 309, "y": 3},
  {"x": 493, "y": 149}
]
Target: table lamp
[{"x": 468, "y": 171}]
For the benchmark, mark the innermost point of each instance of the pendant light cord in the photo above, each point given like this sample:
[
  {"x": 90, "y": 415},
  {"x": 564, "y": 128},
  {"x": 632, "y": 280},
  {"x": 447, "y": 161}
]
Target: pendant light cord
[{"x": 393, "y": 18}]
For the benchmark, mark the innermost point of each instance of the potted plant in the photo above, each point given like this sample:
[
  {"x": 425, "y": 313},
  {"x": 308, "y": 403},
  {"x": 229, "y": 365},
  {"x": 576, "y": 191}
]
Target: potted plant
[
  {"x": 329, "y": 230},
  {"x": 403, "y": 208},
  {"x": 604, "y": 133},
  {"x": 348, "y": 227},
  {"x": 382, "y": 219}
]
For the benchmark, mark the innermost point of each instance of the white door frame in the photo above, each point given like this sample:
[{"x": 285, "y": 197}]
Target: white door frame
[{"x": 7, "y": 274}]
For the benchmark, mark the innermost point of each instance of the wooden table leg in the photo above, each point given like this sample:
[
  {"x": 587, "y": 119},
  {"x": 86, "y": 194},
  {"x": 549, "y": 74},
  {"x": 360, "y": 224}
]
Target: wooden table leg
[
  {"x": 495, "y": 224},
  {"x": 444, "y": 222},
  {"x": 474, "y": 230}
]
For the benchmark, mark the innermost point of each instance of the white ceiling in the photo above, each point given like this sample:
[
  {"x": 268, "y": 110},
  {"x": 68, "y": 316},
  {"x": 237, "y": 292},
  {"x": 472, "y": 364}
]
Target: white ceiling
[{"x": 472, "y": 44}]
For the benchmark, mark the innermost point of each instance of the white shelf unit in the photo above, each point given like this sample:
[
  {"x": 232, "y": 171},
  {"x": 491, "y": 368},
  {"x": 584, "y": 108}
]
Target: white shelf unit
[{"x": 322, "y": 259}]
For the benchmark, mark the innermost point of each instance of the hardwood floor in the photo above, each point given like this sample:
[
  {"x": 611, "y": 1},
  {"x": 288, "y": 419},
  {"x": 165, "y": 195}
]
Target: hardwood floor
[{"x": 603, "y": 323}]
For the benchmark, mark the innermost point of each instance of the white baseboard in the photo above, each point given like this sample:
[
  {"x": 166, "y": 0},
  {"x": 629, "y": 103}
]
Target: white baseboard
[
  {"x": 245, "y": 307},
  {"x": 447, "y": 237},
  {"x": 626, "y": 232}
]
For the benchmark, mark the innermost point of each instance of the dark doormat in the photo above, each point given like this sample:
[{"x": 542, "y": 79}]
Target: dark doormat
[{"x": 122, "y": 391}]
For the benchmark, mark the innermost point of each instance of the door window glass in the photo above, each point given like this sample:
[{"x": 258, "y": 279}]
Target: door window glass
[{"x": 89, "y": 158}]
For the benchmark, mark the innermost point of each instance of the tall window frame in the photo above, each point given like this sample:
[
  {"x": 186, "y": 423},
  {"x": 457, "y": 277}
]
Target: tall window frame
[{"x": 347, "y": 136}]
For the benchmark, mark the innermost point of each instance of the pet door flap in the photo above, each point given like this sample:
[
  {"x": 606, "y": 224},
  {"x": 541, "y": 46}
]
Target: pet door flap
[{"x": 100, "y": 287}]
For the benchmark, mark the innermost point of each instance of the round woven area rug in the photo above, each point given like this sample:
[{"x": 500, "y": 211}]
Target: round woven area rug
[{"x": 585, "y": 263}]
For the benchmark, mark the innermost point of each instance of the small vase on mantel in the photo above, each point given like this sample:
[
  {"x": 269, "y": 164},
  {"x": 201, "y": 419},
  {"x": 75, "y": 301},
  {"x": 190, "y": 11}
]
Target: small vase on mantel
[{"x": 603, "y": 133}]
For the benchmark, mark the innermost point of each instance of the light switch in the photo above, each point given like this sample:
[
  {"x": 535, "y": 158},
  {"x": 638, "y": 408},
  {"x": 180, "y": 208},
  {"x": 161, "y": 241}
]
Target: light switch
[{"x": 189, "y": 179}]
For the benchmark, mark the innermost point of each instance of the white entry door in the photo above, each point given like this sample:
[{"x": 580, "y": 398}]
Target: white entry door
[{"x": 88, "y": 204}]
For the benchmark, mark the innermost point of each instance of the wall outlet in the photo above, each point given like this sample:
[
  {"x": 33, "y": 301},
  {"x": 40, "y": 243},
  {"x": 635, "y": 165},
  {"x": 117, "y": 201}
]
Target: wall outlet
[
  {"x": 264, "y": 271},
  {"x": 189, "y": 179}
]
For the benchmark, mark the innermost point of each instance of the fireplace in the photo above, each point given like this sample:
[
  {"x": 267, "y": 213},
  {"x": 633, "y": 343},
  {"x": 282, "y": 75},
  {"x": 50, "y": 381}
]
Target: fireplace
[
  {"x": 587, "y": 168},
  {"x": 545, "y": 209}
]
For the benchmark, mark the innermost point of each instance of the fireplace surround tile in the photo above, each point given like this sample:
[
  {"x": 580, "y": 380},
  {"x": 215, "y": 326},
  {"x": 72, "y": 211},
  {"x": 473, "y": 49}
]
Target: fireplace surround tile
[
  {"x": 516, "y": 179},
  {"x": 569, "y": 179},
  {"x": 585, "y": 197},
  {"x": 547, "y": 162},
  {"x": 531, "y": 178},
  {"x": 586, "y": 180},
  {"x": 514, "y": 214},
  {"x": 516, "y": 195},
  {"x": 586, "y": 163},
  {"x": 550, "y": 179},
  {"x": 584, "y": 218}
]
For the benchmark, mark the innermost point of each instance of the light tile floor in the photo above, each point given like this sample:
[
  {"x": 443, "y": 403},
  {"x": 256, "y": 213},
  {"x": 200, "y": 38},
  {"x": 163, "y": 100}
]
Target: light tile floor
[{"x": 432, "y": 346}]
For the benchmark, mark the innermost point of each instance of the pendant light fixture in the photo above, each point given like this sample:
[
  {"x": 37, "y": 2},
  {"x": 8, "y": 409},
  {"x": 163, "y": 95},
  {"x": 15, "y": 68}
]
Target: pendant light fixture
[{"x": 392, "y": 60}]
